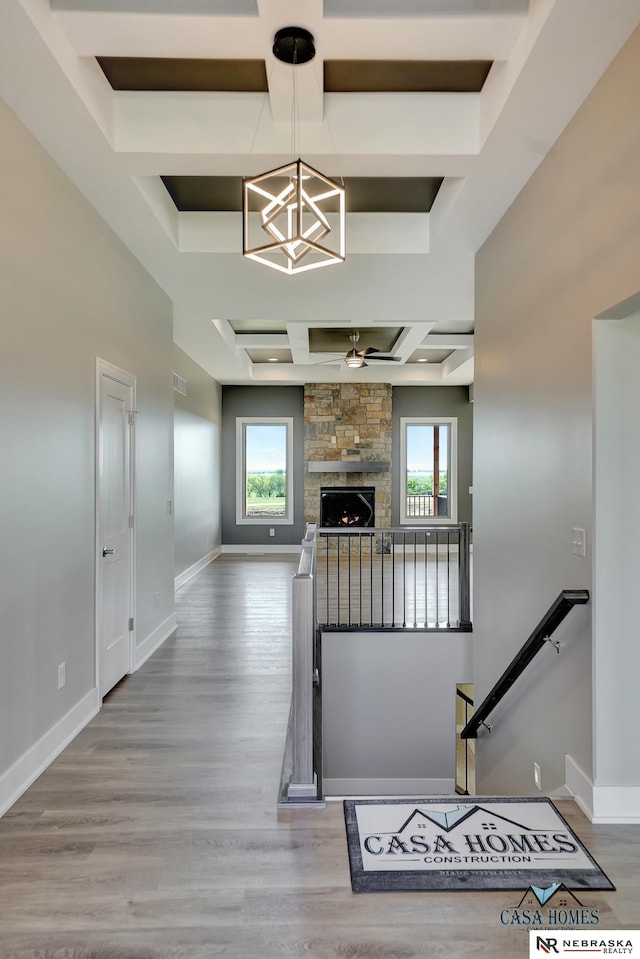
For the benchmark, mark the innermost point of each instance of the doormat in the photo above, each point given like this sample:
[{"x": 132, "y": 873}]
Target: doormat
[{"x": 442, "y": 845}]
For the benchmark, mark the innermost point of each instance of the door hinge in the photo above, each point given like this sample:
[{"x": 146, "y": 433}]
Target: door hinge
[
  {"x": 130, "y": 520},
  {"x": 131, "y": 624}
]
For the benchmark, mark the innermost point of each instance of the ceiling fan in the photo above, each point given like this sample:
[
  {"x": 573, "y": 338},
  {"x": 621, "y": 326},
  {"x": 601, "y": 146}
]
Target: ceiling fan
[{"x": 355, "y": 359}]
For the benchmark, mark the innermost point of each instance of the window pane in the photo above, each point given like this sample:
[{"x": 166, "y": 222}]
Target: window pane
[
  {"x": 427, "y": 470},
  {"x": 265, "y": 458}
]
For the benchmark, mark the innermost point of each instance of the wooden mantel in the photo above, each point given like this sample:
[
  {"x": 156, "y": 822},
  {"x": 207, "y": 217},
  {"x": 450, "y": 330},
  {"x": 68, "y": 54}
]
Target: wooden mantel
[{"x": 347, "y": 466}]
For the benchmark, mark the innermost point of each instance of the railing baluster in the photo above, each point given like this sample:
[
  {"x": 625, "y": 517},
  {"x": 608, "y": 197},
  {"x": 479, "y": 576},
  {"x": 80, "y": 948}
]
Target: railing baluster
[
  {"x": 371, "y": 579},
  {"x": 437, "y": 580},
  {"x": 393, "y": 579},
  {"x": 464, "y": 577},
  {"x": 404, "y": 579},
  {"x": 382, "y": 579},
  {"x": 349, "y": 579},
  {"x": 432, "y": 586},
  {"x": 448, "y": 580},
  {"x": 415, "y": 580}
]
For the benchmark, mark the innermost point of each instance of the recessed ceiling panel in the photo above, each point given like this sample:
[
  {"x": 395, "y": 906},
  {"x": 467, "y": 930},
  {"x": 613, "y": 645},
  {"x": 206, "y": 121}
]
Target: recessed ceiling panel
[
  {"x": 255, "y": 326},
  {"x": 405, "y": 76},
  {"x": 211, "y": 194},
  {"x": 204, "y": 194},
  {"x": 212, "y": 8},
  {"x": 421, "y": 8},
  {"x": 270, "y": 356},
  {"x": 429, "y": 356},
  {"x": 391, "y": 194},
  {"x": 184, "y": 74},
  {"x": 336, "y": 339}
]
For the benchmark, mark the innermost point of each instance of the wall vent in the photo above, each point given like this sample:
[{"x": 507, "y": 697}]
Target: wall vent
[{"x": 180, "y": 384}]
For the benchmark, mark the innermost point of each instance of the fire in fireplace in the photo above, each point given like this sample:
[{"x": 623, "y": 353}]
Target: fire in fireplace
[{"x": 347, "y": 506}]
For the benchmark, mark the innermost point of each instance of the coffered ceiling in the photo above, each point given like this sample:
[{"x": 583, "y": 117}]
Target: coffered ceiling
[{"x": 434, "y": 113}]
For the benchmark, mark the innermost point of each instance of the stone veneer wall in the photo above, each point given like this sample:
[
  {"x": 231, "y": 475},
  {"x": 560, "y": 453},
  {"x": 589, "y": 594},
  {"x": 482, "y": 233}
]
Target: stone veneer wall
[{"x": 334, "y": 414}]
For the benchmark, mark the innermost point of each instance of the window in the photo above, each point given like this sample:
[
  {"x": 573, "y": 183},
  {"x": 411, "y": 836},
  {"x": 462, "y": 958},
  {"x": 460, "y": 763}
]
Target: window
[
  {"x": 428, "y": 479},
  {"x": 264, "y": 492}
]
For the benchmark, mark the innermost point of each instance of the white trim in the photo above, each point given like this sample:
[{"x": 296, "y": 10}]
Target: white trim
[
  {"x": 154, "y": 640},
  {"x": 616, "y": 804},
  {"x": 241, "y": 423},
  {"x": 579, "y": 785},
  {"x": 25, "y": 770},
  {"x": 239, "y": 549},
  {"x": 602, "y": 804},
  {"x": 452, "y": 471},
  {"x": 388, "y": 787},
  {"x": 192, "y": 571}
]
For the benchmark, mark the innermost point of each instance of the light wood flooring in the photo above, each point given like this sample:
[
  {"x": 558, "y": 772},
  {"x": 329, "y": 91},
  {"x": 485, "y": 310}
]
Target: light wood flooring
[{"x": 155, "y": 834}]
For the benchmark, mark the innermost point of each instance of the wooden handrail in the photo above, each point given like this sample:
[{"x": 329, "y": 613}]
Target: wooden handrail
[{"x": 565, "y": 602}]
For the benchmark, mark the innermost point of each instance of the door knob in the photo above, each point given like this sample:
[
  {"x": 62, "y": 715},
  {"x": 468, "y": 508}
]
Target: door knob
[{"x": 109, "y": 550}]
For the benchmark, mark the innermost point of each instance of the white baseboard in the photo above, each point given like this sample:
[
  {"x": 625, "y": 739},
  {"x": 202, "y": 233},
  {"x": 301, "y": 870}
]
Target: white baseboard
[
  {"x": 154, "y": 640},
  {"x": 616, "y": 804},
  {"x": 388, "y": 787},
  {"x": 240, "y": 549},
  {"x": 579, "y": 785},
  {"x": 25, "y": 770},
  {"x": 192, "y": 571},
  {"x": 602, "y": 804}
]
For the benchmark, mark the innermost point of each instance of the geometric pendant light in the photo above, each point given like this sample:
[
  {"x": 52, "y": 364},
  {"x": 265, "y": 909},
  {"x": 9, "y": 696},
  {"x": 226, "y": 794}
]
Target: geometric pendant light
[{"x": 293, "y": 218}]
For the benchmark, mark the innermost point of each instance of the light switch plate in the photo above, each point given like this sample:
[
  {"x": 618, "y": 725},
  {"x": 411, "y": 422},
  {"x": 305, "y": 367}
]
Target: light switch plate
[{"x": 579, "y": 541}]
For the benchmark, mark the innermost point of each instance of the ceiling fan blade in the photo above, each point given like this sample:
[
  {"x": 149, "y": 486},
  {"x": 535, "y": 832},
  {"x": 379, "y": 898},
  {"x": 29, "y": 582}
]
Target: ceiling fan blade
[{"x": 369, "y": 350}]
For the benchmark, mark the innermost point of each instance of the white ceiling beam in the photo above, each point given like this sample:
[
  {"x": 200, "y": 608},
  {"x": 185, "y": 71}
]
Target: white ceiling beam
[
  {"x": 448, "y": 341},
  {"x": 298, "y": 336},
  {"x": 410, "y": 339},
  {"x": 455, "y": 361},
  {"x": 262, "y": 341},
  {"x": 169, "y": 35},
  {"x": 215, "y": 123}
]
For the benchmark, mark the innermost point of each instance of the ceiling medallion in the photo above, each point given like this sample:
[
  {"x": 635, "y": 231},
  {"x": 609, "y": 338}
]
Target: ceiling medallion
[{"x": 293, "y": 218}]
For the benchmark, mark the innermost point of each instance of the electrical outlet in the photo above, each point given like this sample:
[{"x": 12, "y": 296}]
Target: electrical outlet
[
  {"x": 272, "y": 531},
  {"x": 536, "y": 775},
  {"x": 62, "y": 675}
]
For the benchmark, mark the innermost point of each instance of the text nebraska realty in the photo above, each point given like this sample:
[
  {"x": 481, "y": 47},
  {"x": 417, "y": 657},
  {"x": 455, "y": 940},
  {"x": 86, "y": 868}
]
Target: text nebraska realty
[
  {"x": 603, "y": 946},
  {"x": 475, "y": 848}
]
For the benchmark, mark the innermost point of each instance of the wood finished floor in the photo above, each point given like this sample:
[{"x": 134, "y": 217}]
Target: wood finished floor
[{"x": 155, "y": 834}]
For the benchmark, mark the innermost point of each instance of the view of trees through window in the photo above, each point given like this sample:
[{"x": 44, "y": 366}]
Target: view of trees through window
[
  {"x": 265, "y": 457},
  {"x": 427, "y": 455}
]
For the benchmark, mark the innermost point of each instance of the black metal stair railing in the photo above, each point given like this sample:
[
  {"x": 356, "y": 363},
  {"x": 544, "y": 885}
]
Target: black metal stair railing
[
  {"x": 394, "y": 578},
  {"x": 565, "y": 602}
]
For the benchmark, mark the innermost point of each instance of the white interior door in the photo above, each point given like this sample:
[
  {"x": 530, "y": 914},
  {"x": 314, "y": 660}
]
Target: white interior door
[{"x": 114, "y": 626}]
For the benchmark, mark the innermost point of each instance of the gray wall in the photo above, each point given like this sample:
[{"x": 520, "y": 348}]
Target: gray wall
[
  {"x": 69, "y": 292},
  {"x": 436, "y": 401},
  {"x": 567, "y": 250},
  {"x": 261, "y": 401},
  {"x": 197, "y": 440},
  {"x": 389, "y": 711}
]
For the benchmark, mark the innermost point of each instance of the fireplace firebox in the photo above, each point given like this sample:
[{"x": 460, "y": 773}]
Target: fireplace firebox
[{"x": 347, "y": 506}]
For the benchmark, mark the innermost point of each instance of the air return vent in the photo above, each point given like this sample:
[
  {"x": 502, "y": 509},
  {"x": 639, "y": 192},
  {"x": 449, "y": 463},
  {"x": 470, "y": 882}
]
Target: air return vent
[{"x": 179, "y": 384}]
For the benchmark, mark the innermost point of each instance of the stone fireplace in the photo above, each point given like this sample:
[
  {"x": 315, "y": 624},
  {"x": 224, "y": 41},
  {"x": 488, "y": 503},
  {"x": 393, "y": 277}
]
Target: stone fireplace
[{"x": 347, "y": 444}]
